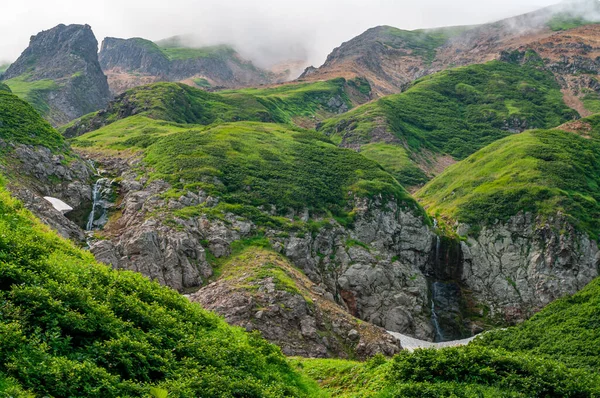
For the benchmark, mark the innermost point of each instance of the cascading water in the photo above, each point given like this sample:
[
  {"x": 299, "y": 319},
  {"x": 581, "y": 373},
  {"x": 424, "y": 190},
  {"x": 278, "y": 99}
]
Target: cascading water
[
  {"x": 95, "y": 202},
  {"x": 439, "y": 335}
]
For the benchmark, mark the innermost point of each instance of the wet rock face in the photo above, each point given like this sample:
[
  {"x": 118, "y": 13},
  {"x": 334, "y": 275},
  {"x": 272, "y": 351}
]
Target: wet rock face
[
  {"x": 515, "y": 269},
  {"x": 67, "y": 55}
]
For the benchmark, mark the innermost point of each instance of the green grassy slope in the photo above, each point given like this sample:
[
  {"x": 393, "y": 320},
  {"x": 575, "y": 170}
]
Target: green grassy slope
[
  {"x": 251, "y": 164},
  {"x": 539, "y": 171},
  {"x": 454, "y": 112},
  {"x": 21, "y": 124},
  {"x": 72, "y": 327},
  {"x": 176, "y": 102},
  {"x": 34, "y": 92},
  {"x": 567, "y": 330},
  {"x": 465, "y": 372}
]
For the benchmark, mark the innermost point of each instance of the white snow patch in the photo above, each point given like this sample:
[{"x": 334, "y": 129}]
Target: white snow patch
[
  {"x": 411, "y": 344},
  {"x": 58, "y": 204}
]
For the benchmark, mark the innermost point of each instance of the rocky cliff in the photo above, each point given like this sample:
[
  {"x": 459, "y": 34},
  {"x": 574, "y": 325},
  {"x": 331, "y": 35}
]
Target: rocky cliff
[
  {"x": 59, "y": 74},
  {"x": 132, "y": 62}
]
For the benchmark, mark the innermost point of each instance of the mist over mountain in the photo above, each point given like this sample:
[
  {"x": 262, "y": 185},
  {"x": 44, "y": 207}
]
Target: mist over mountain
[{"x": 267, "y": 32}]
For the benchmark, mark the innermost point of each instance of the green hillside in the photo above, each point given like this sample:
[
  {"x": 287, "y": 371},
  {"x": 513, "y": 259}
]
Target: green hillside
[
  {"x": 33, "y": 91},
  {"x": 539, "y": 171},
  {"x": 21, "y": 124},
  {"x": 180, "y": 103},
  {"x": 454, "y": 112},
  {"x": 250, "y": 164},
  {"x": 72, "y": 327}
]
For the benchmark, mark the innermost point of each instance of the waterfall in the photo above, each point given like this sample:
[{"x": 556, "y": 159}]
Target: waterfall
[
  {"x": 439, "y": 336},
  {"x": 101, "y": 203},
  {"x": 95, "y": 202}
]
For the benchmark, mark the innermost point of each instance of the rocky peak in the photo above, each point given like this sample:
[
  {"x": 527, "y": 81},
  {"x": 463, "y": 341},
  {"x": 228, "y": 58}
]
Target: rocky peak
[
  {"x": 66, "y": 59},
  {"x": 133, "y": 54}
]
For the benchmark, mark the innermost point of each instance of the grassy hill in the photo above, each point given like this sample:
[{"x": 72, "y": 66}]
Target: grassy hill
[
  {"x": 249, "y": 164},
  {"x": 180, "y": 103},
  {"x": 455, "y": 113},
  {"x": 21, "y": 124},
  {"x": 539, "y": 171},
  {"x": 72, "y": 327}
]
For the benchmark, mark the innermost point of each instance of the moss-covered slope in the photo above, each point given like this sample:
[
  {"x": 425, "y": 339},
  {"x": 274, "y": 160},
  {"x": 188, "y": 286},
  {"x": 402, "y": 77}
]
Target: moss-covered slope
[
  {"x": 452, "y": 113},
  {"x": 541, "y": 171}
]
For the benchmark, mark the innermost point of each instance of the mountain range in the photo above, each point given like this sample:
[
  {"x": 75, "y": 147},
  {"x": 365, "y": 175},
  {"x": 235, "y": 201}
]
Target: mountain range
[{"x": 232, "y": 231}]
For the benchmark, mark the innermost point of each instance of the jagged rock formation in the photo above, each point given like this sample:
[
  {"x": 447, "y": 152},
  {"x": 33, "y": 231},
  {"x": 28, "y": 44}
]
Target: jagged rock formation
[
  {"x": 132, "y": 62},
  {"x": 379, "y": 280},
  {"x": 260, "y": 290},
  {"x": 60, "y": 75},
  {"x": 391, "y": 58},
  {"x": 514, "y": 269}
]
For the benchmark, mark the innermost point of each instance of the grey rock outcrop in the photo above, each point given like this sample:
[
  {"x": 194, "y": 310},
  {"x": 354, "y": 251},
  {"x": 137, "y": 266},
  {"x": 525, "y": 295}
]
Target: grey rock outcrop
[
  {"x": 516, "y": 268},
  {"x": 68, "y": 56}
]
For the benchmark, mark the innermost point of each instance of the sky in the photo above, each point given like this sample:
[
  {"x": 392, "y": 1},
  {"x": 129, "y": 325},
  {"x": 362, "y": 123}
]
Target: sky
[{"x": 266, "y": 31}]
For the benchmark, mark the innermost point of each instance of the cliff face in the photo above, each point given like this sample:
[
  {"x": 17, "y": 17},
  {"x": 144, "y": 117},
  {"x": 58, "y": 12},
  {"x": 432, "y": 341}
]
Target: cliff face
[
  {"x": 60, "y": 75},
  {"x": 132, "y": 62}
]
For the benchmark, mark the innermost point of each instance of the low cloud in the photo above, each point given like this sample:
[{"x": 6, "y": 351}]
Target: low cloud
[{"x": 266, "y": 31}]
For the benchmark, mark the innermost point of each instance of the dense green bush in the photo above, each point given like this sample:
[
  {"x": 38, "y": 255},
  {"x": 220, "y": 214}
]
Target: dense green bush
[
  {"x": 72, "y": 327},
  {"x": 567, "y": 330}
]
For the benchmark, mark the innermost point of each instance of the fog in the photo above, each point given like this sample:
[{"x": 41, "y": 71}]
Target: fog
[{"x": 266, "y": 31}]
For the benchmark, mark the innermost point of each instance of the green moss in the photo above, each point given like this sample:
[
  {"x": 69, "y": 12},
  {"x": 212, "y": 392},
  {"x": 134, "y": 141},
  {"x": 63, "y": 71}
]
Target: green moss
[
  {"x": 542, "y": 171},
  {"x": 34, "y": 92},
  {"x": 182, "y": 53},
  {"x": 202, "y": 83}
]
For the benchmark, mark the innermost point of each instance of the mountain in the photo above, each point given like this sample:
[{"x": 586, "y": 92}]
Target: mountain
[
  {"x": 444, "y": 117},
  {"x": 59, "y": 74},
  {"x": 390, "y": 58},
  {"x": 133, "y": 62}
]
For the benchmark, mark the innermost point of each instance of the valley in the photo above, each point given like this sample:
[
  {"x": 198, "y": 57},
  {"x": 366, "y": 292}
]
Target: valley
[{"x": 418, "y": 217}]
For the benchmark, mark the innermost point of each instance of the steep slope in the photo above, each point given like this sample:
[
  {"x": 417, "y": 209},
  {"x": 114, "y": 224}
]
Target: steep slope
[
  {"x": 302, "y": 104},
  {"x": 59, "y": 74},
  {"x": 447, "y": 116},
  {"x": 72, "y": 327},
  {"x": 261, "y": 290},
  {"x": 529, "y": 205},
  {"x": 132, "y": 62},
  {"x": 391, "y": 58},
  {"x": 39, "y": 163}
]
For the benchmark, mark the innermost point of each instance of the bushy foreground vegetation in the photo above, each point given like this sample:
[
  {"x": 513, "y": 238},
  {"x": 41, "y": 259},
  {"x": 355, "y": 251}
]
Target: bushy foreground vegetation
[
  {"x": 21, "y": 124},
  {"x": 542, "y": 171},
  {"x": 72, "y": 327},
  {"x": 567, "y": 330},
  {"x": 455, "y": 112},
  {"x": 465, "y": 372}
]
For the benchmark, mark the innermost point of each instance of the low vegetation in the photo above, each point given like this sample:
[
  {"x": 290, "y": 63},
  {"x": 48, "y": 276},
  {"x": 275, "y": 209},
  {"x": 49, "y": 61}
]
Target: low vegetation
[
  {"x": 72, "y": 327},
  {"x": 21, "y": 124},
  {"x": 34, "y": 92},
  {"x": 455, "y": 112},
  {"x": 544, "y": 172}
]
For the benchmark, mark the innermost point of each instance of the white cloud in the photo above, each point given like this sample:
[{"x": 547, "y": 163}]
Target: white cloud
[{"x": 272, "y": 28}]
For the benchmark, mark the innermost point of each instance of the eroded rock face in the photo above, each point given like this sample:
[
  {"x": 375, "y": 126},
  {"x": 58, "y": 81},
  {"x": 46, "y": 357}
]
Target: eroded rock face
[
  {"x": 516, "y": 268},
  {"x": 300, "y": 316},
  {"x": 68, "y": 56},
  {"x": 37, "y": 172},
  {"x": 373, "y": 269}
]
